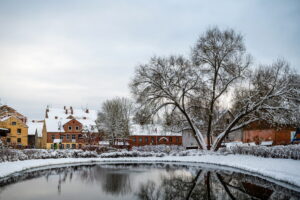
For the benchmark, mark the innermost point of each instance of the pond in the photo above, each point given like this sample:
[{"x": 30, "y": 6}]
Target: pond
[{"x": 142, "y": 181}]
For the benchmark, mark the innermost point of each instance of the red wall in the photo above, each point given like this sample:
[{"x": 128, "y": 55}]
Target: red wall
[
  {"x": 279, "y": 137},
  {"x": 141, "y": 140}
]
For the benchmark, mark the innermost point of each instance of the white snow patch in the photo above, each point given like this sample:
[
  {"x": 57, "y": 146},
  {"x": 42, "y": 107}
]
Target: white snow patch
[{"x": 286, "y": 170}]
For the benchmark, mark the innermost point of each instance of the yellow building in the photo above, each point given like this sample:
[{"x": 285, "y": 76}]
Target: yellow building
[{"x": 18, "y": 131}]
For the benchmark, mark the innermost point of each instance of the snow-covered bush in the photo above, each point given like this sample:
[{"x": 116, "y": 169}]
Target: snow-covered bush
[
  {"x": 289, "y": 151},
  {"x": 168, "y": 149},
  {"x": 125, "y": 153},
  {"x": 12, "y": 155},
  {"x": 28, "y": 154}
]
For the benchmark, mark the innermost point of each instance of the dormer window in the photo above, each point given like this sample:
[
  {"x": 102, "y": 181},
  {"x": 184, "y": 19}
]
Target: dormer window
[
  {"x": 70, "y": 128},
  {"x": 14, "y": 123}
]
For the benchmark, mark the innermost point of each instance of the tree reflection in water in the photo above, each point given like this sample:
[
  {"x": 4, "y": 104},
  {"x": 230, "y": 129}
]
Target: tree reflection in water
[
  {"x": 213, "y": 184},
  {"x": 159, "y": 182}
]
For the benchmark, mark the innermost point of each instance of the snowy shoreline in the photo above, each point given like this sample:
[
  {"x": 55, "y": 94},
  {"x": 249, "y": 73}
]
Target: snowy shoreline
[{"x": 285, "y": 170}]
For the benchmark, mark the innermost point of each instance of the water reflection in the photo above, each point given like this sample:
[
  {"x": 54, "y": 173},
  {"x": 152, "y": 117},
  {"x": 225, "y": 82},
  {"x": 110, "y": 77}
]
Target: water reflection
[
  {"x": 153, "y": 182},
  {"x": 214, "y": 184}
]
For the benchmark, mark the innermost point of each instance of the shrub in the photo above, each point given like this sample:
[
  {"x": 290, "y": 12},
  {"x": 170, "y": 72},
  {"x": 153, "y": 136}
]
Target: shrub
[{"x": 288, "y": 151}]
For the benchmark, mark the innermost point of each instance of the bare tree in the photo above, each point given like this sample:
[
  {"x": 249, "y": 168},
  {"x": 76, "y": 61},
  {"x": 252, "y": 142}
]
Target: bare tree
[
  {"x": 169, "y": 82},
  {"x": 195, "y": 89},
  {"x": 142, "y": 116},
  {"x": 114, "y": 118},
  {"x": 271, "y": 96},
  {"x": 89, "y": 135},
  {"x": 222, "y": 59}
]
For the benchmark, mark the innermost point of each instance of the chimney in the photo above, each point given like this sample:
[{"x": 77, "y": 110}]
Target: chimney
[
  {"x": 71, "y": 110},
  {"x": 87, "y": 110},
  {"x": 66, "y": 111},
  {"x": 46, "y": 114},
  {"x": 64, "y": 107}
]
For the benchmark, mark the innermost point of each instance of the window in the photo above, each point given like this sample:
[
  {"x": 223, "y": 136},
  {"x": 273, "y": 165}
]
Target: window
[
  {"x": 73, "y": 146},
  {"x": 152, "y": 140},
  {"x": 80, "y": 136},
  {"x": 52, "y": 146},
  {"x": 61, "y": 137},
  {"x": 77, "y": 128},
  {"x": 70, "y": 128},
  {"x": 19, "y": 140},
  {"x": 52, "y": 137},
  {"x": 68, "y": 146},
  {"x": 19, "y": 131},
  {"x": 14, "y": 123},
  {"x": 177, "y": 139},
  {"x": 140, "y": 139},
  {"x": 134, "y": 139},
  {"x": 73, "y": 137},
  {"x": 68, "y": 136},
  {"x": 146, "y": 140},
  {"x": 8, "y": 140},
  {"x": 79, "y": 146},
  {"x": 170, "y": 139}
]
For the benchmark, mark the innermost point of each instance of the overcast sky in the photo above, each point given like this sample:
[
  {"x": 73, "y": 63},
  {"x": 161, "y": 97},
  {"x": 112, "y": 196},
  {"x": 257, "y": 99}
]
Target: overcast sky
[{"x": 81, "y": 53}]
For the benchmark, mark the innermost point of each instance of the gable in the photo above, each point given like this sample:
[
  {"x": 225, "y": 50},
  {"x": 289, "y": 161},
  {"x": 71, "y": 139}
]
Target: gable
[{"x": 73, "y": 123}]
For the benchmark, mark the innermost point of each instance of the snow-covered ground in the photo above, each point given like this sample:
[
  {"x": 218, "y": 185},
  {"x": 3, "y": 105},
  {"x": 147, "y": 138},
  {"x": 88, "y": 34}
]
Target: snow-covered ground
[{"x": 286, "y": 170}]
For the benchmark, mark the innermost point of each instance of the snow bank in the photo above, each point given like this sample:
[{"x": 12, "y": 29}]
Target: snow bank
[
  {"x": 280, "y": 151},
  {"x": 285, "y": 170},
  {"x": 28, "y": 154}
]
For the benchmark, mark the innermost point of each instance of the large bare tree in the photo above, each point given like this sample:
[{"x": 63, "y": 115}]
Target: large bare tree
[
  {"x": 222, "y": 60},
  {"x": 196, "y": 89},
  {"x": 114, "y": 118}
]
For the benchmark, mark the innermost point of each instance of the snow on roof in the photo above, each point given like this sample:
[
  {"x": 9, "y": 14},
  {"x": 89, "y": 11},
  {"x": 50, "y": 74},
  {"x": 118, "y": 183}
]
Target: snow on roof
[
  {"x": 57, "y": 113},
  {"x": 33, "y": 126},
  {"x": 57, "y": 117},
  {"x": 5, "y": 118},
  {"x": 151, "y": 129},
  {"x": 55, "y": 125}
]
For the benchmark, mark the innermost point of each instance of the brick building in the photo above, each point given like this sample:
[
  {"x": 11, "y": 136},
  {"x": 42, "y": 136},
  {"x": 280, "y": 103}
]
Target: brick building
[
  {"x": 153, "y": 135},
  {"x": 260, "y": 131},
  {"x": 64, "y": 128}
]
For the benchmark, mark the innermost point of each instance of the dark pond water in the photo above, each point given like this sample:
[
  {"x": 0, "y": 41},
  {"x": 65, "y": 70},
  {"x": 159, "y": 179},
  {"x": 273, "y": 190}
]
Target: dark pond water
[{"x": 143, "y": 181}]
